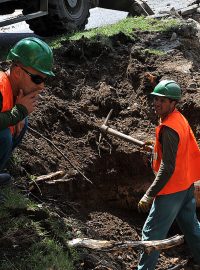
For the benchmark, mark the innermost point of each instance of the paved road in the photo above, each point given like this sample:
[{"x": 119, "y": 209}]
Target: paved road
[{"x": 160, "y": 5}]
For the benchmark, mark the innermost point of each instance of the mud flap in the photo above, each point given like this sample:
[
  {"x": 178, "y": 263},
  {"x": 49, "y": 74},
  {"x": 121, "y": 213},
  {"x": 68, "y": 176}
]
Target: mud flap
[{"x": 140, "y": 7}]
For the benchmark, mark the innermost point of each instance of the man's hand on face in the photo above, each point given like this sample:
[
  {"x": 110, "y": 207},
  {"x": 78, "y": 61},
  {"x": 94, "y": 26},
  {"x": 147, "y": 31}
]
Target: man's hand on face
[
  {"x": 145, "y": 203},
  {"x": 29, "y": 101},
  {"x": 18, "y": 127}
]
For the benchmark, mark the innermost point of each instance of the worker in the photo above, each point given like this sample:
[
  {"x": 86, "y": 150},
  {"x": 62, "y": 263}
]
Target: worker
[
  {"x": 176, "y": 161},
  {"x": 31, "y": 63}
]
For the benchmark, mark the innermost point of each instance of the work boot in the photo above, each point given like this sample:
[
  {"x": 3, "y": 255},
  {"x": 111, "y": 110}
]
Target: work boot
[
  {"x": 2, "y": 198},
  {"x": 5, "y": 179}
]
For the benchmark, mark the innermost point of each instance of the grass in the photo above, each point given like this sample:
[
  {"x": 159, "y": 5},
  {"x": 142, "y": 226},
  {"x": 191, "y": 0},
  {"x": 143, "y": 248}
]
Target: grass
[
  {"x": 156, "y": 52},
  {"x": 46, "y": 255},
  {"x": 15, "y": 200},
  {"x": 33, "y": 236},
  {"x": 126, "y": 26}
]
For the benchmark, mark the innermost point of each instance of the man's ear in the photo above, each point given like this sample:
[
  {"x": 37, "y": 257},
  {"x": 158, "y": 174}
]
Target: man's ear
[
  {"x": 174, "y": 102},
  {"x": 17, "y": 72}
]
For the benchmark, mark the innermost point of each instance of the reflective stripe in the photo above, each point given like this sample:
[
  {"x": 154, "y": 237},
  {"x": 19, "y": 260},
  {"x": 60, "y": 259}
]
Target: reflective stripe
[{"x": 155, "y": 156}]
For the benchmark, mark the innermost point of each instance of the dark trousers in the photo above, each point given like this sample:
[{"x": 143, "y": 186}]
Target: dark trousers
[
  {"x": 8, "y": 144},
  {"x": 165, "y": 209}
]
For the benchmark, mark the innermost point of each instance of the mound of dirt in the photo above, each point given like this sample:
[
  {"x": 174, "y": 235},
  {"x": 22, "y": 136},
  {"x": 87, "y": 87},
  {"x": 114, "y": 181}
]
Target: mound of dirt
[{"x": 93, "y": 77}]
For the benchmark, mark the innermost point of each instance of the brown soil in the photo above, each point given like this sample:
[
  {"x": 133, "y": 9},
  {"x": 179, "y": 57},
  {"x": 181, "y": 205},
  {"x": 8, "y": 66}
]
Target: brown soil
[{"x": 93, "y": 77}]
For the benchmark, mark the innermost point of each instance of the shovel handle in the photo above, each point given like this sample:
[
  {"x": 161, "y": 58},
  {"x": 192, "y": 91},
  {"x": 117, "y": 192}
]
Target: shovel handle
[
  {"x": 122, "y": 136},
  {"x": 108, "y": 117}
]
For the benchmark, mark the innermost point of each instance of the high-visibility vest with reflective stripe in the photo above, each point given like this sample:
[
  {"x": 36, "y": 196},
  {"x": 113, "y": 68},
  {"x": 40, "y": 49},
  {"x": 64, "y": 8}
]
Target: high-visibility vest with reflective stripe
[
  {"x": 187, "y": 167},
  {"x": 7, "y": 95}
]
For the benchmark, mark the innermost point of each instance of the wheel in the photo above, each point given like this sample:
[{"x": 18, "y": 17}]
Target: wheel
[
  {"x": 7, "y": 8},
  {"x": 63, "y": 16}
]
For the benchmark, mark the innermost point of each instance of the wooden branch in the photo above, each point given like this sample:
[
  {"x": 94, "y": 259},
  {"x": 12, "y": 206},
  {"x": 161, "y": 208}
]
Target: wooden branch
[
  {"x": 58, "y": 181},
  {"x": 147, "y": 246},
  {"x": 50, "y": 176}
]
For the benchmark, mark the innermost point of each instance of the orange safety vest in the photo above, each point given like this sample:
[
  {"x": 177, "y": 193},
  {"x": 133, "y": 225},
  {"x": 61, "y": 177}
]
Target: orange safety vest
[
  {"x": 7, "y": 94},
  {"x": 188, "y": 155}
]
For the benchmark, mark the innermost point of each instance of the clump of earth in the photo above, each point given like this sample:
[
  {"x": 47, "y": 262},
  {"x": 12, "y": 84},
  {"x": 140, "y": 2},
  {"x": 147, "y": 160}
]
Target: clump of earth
[{"x": 91, "y": 78}]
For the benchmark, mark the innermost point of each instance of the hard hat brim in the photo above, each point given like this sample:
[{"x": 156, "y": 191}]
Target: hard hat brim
[{"x": 161, "y": 95}]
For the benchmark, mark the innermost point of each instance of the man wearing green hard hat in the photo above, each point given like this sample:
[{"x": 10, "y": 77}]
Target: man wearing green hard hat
[
  {"x": 176, "y": 160},
  {"x": 31, "y": 63},
  {"x": 169, "y": 89}
]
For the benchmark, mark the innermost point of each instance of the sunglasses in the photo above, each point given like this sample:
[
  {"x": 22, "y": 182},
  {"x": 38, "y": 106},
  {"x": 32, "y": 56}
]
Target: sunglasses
[{"x": 37, "y": 79}]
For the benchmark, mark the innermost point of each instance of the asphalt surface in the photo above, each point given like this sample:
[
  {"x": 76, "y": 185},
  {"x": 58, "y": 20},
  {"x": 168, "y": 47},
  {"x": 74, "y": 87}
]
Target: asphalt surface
[{"x": 164, "y": 5}]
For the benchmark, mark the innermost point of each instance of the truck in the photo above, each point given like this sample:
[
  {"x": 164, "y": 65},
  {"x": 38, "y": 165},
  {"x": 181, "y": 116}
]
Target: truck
[{"x": 52, "y": 17}]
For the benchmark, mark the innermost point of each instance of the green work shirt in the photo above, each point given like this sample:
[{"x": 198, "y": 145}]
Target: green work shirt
[{"x": 12, "y": 117}]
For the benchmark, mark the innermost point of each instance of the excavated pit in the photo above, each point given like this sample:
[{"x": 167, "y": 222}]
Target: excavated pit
[
  {"x": 119, "y": 180},
  {"x": 93, "y": 77}
]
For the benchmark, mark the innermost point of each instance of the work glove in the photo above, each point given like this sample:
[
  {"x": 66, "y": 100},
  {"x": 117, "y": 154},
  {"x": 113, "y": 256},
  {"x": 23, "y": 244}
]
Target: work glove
[
  {"x": 148, "y": 146},
  {"x": 145, "y": 203}
]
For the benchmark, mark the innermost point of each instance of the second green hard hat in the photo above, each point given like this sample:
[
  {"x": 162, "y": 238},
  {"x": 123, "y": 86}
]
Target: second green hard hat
[
  {"x": 33, "y": 52},
  {"x": 167, "y": 88}
]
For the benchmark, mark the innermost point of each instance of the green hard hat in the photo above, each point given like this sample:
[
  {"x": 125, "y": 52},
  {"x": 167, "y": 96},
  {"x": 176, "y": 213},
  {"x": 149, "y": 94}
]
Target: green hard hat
[
  {"x": 167, "y": 88},
  {"x": 35, "y": 53}
]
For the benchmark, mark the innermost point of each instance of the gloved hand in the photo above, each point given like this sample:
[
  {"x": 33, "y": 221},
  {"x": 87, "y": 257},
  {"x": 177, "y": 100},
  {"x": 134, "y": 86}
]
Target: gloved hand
[
  {"x": 145, "y": 203},
  {"x": 148, "y": 146}
]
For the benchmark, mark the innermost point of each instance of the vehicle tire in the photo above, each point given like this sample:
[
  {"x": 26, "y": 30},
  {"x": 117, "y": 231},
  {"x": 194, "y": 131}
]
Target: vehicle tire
[
  {"x": 63, "y": 16},
  {"x": 7, "y": 8}
]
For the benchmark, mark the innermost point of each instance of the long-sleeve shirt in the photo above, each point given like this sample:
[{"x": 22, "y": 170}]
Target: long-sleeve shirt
[
  {"x": 12, "y": 117},
  {"x": 169, "y": 140}
]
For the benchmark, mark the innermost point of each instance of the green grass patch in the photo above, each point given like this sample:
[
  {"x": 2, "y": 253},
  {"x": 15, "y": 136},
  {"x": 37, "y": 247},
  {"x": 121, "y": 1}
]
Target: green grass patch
[
  {"x": 32, "y": 236},
  {"x": 14, "y": 199},
  {"x": 156, "y": 52},
  {"x": 126, "y": 26},
  {"x": 48, "y": 254}
]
